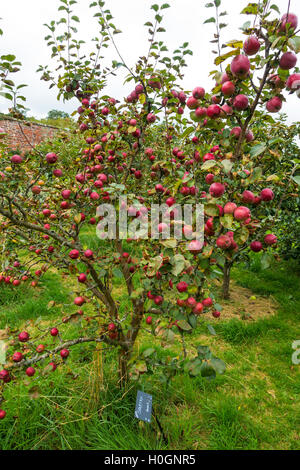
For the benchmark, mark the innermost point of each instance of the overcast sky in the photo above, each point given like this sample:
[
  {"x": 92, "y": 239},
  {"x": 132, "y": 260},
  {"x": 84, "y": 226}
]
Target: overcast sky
[{"x": 22, "y": 23}]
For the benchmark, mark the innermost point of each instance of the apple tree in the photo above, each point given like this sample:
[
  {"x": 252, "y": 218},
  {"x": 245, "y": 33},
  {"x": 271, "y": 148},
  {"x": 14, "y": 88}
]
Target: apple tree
[{"x": 136, "y": 153}]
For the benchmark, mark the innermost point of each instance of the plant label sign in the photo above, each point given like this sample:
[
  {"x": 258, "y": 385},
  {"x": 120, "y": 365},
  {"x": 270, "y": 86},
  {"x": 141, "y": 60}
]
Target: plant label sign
[{"x": 143, "y": 407}]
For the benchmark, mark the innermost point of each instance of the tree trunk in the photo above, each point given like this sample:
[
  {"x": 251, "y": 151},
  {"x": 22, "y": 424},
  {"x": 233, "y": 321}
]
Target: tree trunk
[
  {"x": 226, "y": 280},
  {"x": 123, "y": 367}
]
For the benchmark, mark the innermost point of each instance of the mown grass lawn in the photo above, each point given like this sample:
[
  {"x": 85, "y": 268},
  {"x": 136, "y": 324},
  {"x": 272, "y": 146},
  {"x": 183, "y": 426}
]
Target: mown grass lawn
[{"x": 254, "y": 405}]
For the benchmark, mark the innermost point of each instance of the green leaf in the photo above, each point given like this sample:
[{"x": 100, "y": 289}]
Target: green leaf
[
  {"x": 294, "y": 44},
  {"x": 184, "y": 325},
  {"x": 223, "y": 57},
  {"x": 207, "y": 370},
  {"x": 170, "y": 243},
  {"x": 117, "y": 273},
  {"x": 296, "y": 179},
  {"x": 275, "y": 7},
  {"x": 178, "y": 264},
  {"x": 266, "y": 260},
  {"x": 255, "y": 175},
  {"x": 211, "y": 209},
  {"x": 246, "y": 26},
  {"x": 235, "y": 43},
  {"x": 250, "y": 9},
  {"x": 210, "y": 20},
  {"x": 204, "y": 352},
  {"x": 211, "y": 330},
  {"x": 148, "y": 352},
  {"x": 218, "y": 365},
  {"x": 165, "y": 5},
  {"x": 241, "y": 235},
  {"x": 193, "y": 320},
  {"x": 258, "y": 149},
  {"x": 227, "y": 165},
  {"x": 227, "y": 220},
  {"x": 217, "y": 3},
  {"x": 155, "y": 7},
  {"x": 208, "y": 164}
]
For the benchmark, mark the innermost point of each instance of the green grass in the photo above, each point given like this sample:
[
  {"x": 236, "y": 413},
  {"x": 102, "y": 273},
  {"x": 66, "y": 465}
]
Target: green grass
[{"x": 254, "y": 405}]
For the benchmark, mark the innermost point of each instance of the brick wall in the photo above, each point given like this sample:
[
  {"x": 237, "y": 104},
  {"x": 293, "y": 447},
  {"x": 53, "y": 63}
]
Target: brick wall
[{"x": 22, "y": 135}]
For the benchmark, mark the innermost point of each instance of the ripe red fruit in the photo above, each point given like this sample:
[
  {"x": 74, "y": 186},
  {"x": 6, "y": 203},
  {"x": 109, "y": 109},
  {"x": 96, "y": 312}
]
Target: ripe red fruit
[
  {"x": 51, "y": 157},
  {"x": 112, "y": 327},
  {"x": 251, "y": 45},
  {"x": 151, "y": 118},
  {"x": 53, "y": 365},
  {"x": 158, "y": 300},
  {"x": 170, "y": 201},
  {"x": 16, "y": 159},
  {"x": 288, "y": 20},
  {"x": 248, "y": 197},
  {"x": 191, "y": 302},
  {"x": 198, "y": 308},
  {"x": 192, "y": 102},
  {"x": 94, "y": 196},
  {"x": 213, "y": 111},
  {"x": 236, "y": 132},
  {"x": 149, "y": 320},
  {"x": 89, "y": 254},
  {"x": 217, "y": 189},
  {"x": 207, "y": 302},
  {"x": 54, "y": 332},
  {"x": 267, "y": 194},
  {"x": 240, "y": 66},
  {"x": 23, "y": 336},
  {"x": 241, "y": 213},
  {"x": 229, "y": 208},
  {"x": 66, "y": 193},
  {"x": 17, "y": 356},
  {"x": 287, "y": 61},
  {"x": 228, "y": 88},
  {"x": 227, "y": 109},
  {"x": 64, "y": 353},
  {"x": 162, "y": 227},
  {"x": 270, "y": 239},
  {"x": 274, "y": 104},
  {"x": 224, "y": 242},
  {"x": 201, "y": 112},
  {"x": 2, "y": 414},
  {"x": 79, "y": 301},
  {"x": 82, "y": 278},
  {"x": 182, "y": 286},
  {"x": 36, "y": 189},
  {"x": 198, "y": 92},
  {"x": 249, "y": 136},
  {"x": 256, "y": 246},
  {"x": 30, "y": 371},
  {"x": 40, "y": 348},
  {"x": 4, "y": 375},
  {"x": 159, "y": 188},
  {"x": 209, "y": 178},
  {"x": 74, "y": 254},
  {"x": 293, "y": 82},
  {"x": 240, "y": 102},
  {"x": 216, "y": 314},
  {"x": 195, "y": 246}
]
